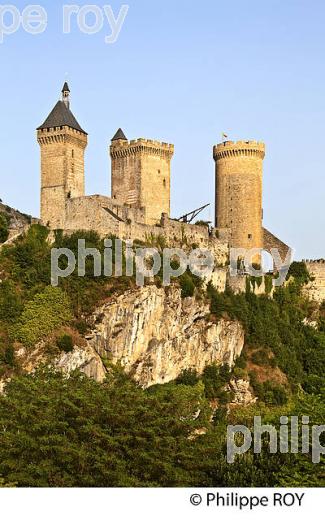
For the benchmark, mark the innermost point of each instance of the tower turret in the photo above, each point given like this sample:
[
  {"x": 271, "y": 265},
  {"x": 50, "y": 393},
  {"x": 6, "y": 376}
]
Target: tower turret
[
  {"x": 66, "y": 95},
  {"x": 239, "y": 173},
  {"x": 62, "y": 142},
  {"x": 141, "y": 174}
]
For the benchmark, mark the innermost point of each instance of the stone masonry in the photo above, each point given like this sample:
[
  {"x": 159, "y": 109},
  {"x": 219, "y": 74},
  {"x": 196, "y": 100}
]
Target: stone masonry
[
  {"x": 139, "y": 208},
  {"x": 239, "y": 191},
  {"x": 141, "y": 175}
]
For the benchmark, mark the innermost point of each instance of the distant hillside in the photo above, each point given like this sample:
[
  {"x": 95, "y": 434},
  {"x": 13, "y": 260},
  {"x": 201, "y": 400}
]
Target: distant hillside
[{"x": 12, "y": 222}]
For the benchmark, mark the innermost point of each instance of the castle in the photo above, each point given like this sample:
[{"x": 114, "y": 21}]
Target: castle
[{"x": 140, "y": 178}]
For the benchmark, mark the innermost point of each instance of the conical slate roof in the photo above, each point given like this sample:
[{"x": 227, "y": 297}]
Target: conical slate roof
[
  {"x": 65, "y": 87},
  {"x": 119, "y": 135},
  {"x": 61, "y": 115}
]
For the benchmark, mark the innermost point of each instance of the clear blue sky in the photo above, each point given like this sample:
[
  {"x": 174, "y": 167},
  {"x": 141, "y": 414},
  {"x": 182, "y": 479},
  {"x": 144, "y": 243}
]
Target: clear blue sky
[{"x": 182, "y": 72}]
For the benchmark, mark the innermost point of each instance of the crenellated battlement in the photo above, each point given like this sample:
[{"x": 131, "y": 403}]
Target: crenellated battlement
[
  {"x": 141, "y": 174},
  {"x": 239, "y": 172},
  {"x": 313, "y": 262},
  {"x": 315, "y": 289},
  {"x": 60, "y": 134},
  {"x": 124, "y": 148},
  {"x": 239, "y": 149}
]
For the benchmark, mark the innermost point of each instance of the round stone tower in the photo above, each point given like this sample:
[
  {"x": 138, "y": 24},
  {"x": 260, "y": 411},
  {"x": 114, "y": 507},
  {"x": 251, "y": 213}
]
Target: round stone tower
[{"x": 239, "y": 172}]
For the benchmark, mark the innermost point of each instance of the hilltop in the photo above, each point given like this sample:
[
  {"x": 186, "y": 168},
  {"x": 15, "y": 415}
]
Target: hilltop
[{"x": 12, "y": 222}]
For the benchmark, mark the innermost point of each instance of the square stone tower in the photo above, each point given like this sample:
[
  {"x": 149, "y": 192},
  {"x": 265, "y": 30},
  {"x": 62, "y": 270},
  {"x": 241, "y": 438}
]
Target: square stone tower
[
  {"x": 141, "y": 174},
  {"x": 239, "y": 179},
  {"x": 62, "y": 142}
]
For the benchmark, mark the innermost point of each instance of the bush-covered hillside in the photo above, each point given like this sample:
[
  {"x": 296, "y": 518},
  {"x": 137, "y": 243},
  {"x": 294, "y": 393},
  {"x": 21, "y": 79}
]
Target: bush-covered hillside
[
  {"x": 56, "y": 431},
  {"x": 11, "y": 219}
]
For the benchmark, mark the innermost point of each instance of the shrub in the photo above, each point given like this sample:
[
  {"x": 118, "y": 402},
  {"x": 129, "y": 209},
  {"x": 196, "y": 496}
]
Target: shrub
[
  {"x": 224, "y": 397},
  {"x": 214, "y": 379},
  {"x": 65, "y": 343},
  {"x": 299, "y": 271},
  {"x": 202, "y": 223},
  {"x": 187, "y": 285},
  {"x": 81, "y": 326},
  {"x": 269, "y": 392},
  {"x": 241, "y": 361},
  {"x": 9, "y": 357},
  {"x": 4, "y": 231},
  {"x": 239, "y": 373},
  {"x": 261, "y": 358},
  {"x": 42, "y": 315},
  {"x": 28, "y": 261},
  {"x": 187, "y": 377},
  {"x": 220, "y": 415},
  {"x": 10, "y": 302},
  {"x": 313, "y": 384},
  {"x": 275, "y": 394},
  {"x": 268, "y": 283}
]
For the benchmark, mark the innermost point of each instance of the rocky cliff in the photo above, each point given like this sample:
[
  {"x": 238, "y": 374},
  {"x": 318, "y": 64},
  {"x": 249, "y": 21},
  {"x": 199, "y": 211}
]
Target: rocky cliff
[
  {"x": 155, "y": 334},
  {"x": 151, "y": 332},
  {"x": 17, "y": 222}
]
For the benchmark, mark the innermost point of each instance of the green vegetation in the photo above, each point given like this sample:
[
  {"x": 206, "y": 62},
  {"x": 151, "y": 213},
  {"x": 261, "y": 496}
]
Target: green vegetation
[
  {"x": 4, "y": 231},
  {"x": 65, "y": 343},
  {"x": 202, "y": 223},
  {"x": 189, "y": 282},
  {"x": 58, "y": 431},
  {"x": 276, "y": 328},
  {"x": 42, "y": 316},
  {"x": 64, "y": 432},
  {"x": 299, "y": 272}
]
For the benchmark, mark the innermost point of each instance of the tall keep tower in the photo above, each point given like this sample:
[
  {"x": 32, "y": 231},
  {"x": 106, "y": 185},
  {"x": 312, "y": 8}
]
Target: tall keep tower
[
  {"x": 141, "y": 174},
  {"x": 63, "y": 143},
  {"x": 239, "y": 172}
]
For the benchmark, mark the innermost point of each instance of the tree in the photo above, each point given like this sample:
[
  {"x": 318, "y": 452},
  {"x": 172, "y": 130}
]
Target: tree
[{"x": 59, "y": 431}]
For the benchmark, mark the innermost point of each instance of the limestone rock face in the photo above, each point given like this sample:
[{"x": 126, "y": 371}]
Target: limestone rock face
[
  {"x": 2, "y": 386},
  {"x": 242, "y": 393},
  {"x": 83, "y": 359},
  {"x": 152, "y": 332},
  {"x": 155, "y": 335}
]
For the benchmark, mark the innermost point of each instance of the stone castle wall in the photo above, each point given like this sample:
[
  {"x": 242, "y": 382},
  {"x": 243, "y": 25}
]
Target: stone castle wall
[
  {"x": 140, "y": 205},
  {"x": 109, "y": 217},
  {"x": 270, "y": 241},
  {"x": 315, "y": 290},
  {"x": 238, "y": 285}
]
